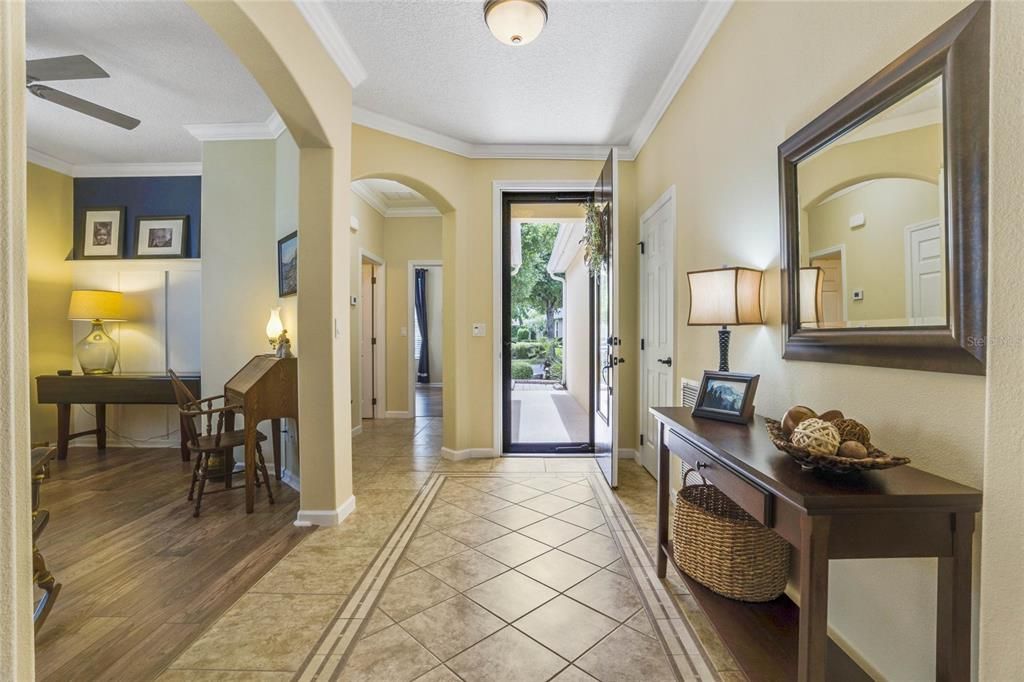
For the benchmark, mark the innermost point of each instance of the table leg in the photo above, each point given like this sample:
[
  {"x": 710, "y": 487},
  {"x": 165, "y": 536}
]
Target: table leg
[
  {"x": 228, "y": 456},
  {"x": 250, "y": 466},
  {"x": 63, "y": 429},
  {"x": 664, "y": 475},
  {"x": 275, "y": 431},
  {"x": 813, "y": 631},
  {"x": 101, "y": 426},
  {"x": 953, "y": 621}
]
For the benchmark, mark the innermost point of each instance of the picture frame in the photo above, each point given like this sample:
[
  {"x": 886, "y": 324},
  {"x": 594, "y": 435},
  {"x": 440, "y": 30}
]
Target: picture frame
[
  {"x": 101, "y": 234},
  {"x": 726, "y": 396},
  {"x": 288, "y": 265},
  {"x": 161, "y": 236}
]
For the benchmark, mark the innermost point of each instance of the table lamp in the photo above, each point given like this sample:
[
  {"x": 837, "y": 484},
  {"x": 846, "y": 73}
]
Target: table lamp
[
  {"x": 812, "y": 281},
  {"x": 97, "y": 352},
  {"x": 725, "y": 296},
  {"x": 274, "y": 327}
]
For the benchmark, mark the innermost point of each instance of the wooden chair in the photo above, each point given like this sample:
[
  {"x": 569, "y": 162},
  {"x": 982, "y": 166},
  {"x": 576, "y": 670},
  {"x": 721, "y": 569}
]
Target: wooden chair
[{"x": 205, "y": 440}]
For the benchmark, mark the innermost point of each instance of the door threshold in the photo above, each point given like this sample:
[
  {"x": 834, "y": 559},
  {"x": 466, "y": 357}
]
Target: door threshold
[{"x": 551, "y": 455}]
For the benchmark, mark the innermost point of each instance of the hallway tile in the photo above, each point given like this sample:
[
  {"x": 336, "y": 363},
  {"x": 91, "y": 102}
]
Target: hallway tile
[
  {"x": 506, "y": 656},
  {"x": 609, "y": 593},
  {"x": 391, "y": 654},
  {"x": 515, "y": 517},
  {"x": 452, "y": 626},
  {"x": 548, "y": 504},
  {"x": 413, "y": 592},
  {"x": 558, "y": 570},
  {"x": 513, "y": 549},
  {"x": 466, "y": 570},
  {"x": 426, "y": 549},
  {"x": 511, "y": 595},
  {"x": 627, "y": 655},
  {"x": 552, "y": 532},
  {"x": 566, "y": 627},
  {"x": 593, "y": 547},
  {"x": 475, "y": 532}
]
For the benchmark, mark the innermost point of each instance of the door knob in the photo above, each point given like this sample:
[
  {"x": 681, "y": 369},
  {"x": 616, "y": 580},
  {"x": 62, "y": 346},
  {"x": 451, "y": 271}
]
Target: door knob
[{"x": 666, "y": 361}]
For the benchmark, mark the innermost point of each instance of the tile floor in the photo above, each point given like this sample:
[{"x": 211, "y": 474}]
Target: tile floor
[{"x": 496, "y": 569}]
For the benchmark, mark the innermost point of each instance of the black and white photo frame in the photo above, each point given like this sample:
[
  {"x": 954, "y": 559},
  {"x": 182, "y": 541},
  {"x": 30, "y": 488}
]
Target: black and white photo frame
[{"x": 161, "y": 236}]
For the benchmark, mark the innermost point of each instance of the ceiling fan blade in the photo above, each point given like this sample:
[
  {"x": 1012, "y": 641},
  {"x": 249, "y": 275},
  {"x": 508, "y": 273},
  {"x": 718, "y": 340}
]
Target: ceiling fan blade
[
  {"x": 75, "y": 67},
  {"x": 84, "y": 106}
]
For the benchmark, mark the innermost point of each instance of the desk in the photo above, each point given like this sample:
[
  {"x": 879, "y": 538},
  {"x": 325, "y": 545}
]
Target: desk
[
  {"x": 896, "y": 513},
  {"x": 101, "y": 390}
]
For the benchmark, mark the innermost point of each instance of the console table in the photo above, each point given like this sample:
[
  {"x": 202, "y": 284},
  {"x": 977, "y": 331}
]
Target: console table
[
  {"x": 896, "y": 513},
  {"x": 101, "y": 390}
]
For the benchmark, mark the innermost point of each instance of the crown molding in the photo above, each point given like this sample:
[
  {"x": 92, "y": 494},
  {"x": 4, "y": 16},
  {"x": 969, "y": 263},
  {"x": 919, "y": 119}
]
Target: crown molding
[
  {"x": 469, "y": 150},
  {"x": 710, "y": 19},
  {"x": 320, "y": 19},
  {"x": 269, "y": 129},
  {"x": 114, "y": 170},
  {"x": 379, "y": 204}
]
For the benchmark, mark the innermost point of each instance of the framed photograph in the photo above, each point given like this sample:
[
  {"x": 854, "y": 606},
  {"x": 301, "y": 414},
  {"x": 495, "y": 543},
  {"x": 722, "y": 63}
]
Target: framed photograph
[
  {"x": 726, "y": 396},
  {"x": 101, "y": 232},
  {"x": 288, "y": 265},
  {"x": 161, "y": 236}
]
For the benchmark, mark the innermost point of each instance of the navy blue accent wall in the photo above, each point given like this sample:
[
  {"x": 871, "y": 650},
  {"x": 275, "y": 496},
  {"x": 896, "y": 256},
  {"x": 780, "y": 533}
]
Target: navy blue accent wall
[{"x": 143, "y": 197}]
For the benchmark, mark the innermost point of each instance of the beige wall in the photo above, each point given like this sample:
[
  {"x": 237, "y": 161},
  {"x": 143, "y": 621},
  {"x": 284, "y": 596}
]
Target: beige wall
[
  {"x": 50, "y": 215},
  {"x": 875, "y": 253},
  {"x": 405, "y": 239},
  {"x": 462, "y": 190},
  {"x": 722, "y": 159},
  {"x": 1002, "y": 599},
  {"x": 369, "y": 237}
]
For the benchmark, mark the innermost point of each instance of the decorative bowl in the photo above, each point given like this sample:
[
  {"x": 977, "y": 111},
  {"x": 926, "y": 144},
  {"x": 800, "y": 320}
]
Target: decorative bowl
[{"x": 876, "y": 458}]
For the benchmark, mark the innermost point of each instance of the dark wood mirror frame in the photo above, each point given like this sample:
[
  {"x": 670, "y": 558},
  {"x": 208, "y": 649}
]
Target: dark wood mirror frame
[{"x": 959, "y": 52}]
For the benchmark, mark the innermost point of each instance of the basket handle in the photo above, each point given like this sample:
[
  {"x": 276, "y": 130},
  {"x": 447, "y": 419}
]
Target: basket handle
[{"x": 693, "y": 471}]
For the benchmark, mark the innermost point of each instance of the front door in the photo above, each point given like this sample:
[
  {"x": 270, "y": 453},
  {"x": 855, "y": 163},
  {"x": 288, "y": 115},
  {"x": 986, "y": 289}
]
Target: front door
[
  {"x": 606, "y": 343},
  {"x": 657, "y": 320}
]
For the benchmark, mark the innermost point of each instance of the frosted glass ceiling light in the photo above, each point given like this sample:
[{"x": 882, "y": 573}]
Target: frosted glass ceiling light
[{"x": 516, "y": 22}]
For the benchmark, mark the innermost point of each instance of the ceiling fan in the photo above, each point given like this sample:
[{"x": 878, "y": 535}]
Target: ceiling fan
[{"x": 76, "y": 67}]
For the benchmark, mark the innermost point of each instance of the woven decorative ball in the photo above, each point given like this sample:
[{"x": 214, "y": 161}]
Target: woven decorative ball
[
  {"x": 816, "y": 436},
  {"x": 851, "y": 429}
]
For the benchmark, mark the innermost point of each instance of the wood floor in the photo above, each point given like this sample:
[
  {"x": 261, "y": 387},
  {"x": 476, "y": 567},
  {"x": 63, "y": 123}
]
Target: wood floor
[
  {"x": 141, "y": 577},
  {"x": 429, "y": 401}
]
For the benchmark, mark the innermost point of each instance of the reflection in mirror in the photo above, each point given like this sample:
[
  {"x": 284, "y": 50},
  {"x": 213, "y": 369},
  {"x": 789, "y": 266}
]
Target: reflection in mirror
[{"x": 872, "y": 221}]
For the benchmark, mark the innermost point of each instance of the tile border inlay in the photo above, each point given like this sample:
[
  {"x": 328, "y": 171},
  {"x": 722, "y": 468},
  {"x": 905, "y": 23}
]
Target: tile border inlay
[{"x": 682, "y": 646}]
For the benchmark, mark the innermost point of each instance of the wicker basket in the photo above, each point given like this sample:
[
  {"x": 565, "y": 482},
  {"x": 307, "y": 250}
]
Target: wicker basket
[{"x": 724, "y": 548}]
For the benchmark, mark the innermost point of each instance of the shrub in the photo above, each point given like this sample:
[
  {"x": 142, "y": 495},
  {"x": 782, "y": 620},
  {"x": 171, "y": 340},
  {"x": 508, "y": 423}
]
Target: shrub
[
  {"x": 522, "y": 370},
  {"x": 555, "y": 372},
  {"x": 523, "y": 334},
  {"x": 528, "y": 350}
]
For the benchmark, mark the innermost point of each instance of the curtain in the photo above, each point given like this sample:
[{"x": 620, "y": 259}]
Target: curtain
[{"x": 423, "y": 371}]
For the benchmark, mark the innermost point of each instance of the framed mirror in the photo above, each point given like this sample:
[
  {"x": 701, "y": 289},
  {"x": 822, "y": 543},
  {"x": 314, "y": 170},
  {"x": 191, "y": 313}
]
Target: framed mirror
[{"x": 884, "y": 213}]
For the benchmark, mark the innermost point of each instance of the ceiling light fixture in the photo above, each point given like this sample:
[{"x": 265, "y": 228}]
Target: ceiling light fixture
[{"x": 516, "y": 22}]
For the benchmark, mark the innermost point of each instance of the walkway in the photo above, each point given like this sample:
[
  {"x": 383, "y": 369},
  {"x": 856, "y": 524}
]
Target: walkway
[
  {"x": 542, "y": 414},
  {"x": 492, "y": 569}
]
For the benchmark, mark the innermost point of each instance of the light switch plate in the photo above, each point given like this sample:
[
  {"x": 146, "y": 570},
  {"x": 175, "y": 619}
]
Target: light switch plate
[
  {"x": 354, "y": 300},
  {"x": 858, "y": 294},
  {"x": 479, "y": 329}
]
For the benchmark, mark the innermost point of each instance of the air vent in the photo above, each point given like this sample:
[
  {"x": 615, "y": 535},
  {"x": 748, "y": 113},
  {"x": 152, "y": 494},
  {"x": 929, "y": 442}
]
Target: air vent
[{"x": 689, "y": 389}]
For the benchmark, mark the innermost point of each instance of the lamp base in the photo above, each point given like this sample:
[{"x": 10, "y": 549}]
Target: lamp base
[
  {"x": 97, "y": 352},
  {"x": 723, "y": 349}
]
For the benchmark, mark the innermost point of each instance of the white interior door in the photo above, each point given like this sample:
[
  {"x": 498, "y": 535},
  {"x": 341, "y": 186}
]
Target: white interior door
[
  {"x": 926, "y": 281},
  {"x": 657, "y": 301},
  {"x": 832, "y": 288},
  {"x": 366, "y": 346}
]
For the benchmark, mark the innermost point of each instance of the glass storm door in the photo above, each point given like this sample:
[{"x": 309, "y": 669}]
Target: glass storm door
[{"x": 605, "y": 343}]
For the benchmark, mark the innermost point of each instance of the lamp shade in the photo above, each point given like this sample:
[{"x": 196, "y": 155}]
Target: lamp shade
[
  {"x": 516, "y": 22},
  {"x": 726, "y": 296},
  {"x": 274, "y": 325},
  {"x": 90, "y": 304},
  {"x": 812, "y": 280}
]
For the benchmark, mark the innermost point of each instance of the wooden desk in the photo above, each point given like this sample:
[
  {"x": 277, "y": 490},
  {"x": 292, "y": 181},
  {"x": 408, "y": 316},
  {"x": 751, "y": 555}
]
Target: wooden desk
[
  {"x": 101, "y": 390},
  {"x": 901, "y": 512}
]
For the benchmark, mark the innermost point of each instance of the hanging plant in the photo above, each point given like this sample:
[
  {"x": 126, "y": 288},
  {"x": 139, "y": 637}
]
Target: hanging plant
[{"x": 595, "y": 241}]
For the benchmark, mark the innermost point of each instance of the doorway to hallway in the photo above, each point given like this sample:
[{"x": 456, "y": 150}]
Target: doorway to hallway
[
  {"x": 426, "y": 338},
  {"x": 546, "y": 325}
]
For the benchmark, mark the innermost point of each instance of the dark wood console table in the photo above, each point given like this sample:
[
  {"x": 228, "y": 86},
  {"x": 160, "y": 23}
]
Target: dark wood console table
[
  {"x": 101, "y": 390},
  {"x": 896, "y": 513}
]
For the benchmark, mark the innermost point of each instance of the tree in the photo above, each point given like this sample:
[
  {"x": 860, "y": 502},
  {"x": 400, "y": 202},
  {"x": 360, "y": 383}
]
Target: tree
[{"x": 533, "y": 289}]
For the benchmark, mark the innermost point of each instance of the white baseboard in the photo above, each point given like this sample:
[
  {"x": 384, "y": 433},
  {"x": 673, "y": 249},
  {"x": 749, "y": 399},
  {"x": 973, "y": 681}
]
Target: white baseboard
[
  {"x": 470, "y": 453},
  {"x": 628, "y": 453},
  {"x": 397, "y": 414},
  {"x": 436, "y": 385},
  {"x": 356, "y": 430},
  {"x": 289, "y": 479},
  {"x": 326, "y": 517}
]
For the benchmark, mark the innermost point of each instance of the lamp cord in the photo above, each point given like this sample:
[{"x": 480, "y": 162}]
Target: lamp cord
[{"x": 130, "y": 440}]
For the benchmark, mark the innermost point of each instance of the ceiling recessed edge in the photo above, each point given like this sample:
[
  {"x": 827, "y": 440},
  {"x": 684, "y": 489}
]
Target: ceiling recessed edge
[
  {"x": 370, "y": 197},
  {"x": 409, "y": 131},
  {"x": 424, "y": 212},
  {"x": 333, "y": 40},
  {"x": 710, "y": 19},
  {"x": 270, "y": 129},
  {"x": 114, "y": 170}
]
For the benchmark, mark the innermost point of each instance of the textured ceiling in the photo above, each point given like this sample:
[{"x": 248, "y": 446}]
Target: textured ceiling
[
  {"x": 166, "y": 66},
  {"x": 392, "y": 198},
  {"x": 588, "y": 78}
]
